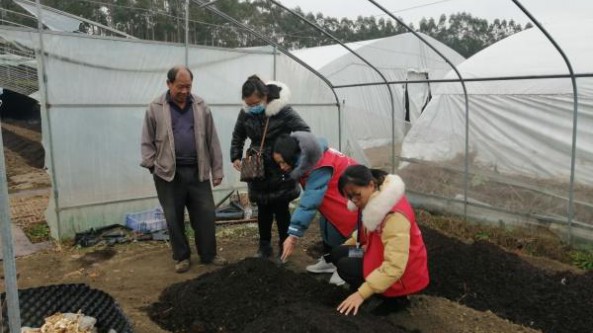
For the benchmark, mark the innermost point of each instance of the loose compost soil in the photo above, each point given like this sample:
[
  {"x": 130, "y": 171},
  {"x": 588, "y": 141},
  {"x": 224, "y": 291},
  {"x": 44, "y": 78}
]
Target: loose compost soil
[
  {"x": 485, "y": 277},
  {"x": 257, "y": 296}
]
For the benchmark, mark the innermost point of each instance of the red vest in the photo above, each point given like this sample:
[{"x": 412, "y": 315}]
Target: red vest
[
  {"x": 415, "y": 277},
  {"x": 334, "y": 205}
]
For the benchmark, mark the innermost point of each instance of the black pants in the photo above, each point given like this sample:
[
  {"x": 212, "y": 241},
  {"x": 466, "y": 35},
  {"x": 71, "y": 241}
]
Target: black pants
[
  {"x": 185, "y": 190},
  {"x": 349, "y": 269},
  {"x": 265, "y": 220}
]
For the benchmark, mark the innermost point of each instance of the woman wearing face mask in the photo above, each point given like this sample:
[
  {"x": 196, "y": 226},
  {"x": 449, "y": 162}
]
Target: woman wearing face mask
[
  {"x": 387, "y": 256},
  {"x": 267, "y": 102}
]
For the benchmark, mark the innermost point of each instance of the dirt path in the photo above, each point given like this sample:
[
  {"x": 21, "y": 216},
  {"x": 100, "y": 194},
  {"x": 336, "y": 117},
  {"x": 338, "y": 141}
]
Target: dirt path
[{"x": 24, "y": 156}]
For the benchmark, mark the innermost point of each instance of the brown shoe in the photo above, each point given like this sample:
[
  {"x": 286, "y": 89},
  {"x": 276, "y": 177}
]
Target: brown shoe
[
  {"x": 218, "y": 261},
  {"x": 182, "y": 266}
]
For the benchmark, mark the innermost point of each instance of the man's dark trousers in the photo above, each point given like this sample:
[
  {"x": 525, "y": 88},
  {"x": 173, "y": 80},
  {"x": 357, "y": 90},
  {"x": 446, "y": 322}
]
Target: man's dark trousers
[{"x": 185, "y": 190}]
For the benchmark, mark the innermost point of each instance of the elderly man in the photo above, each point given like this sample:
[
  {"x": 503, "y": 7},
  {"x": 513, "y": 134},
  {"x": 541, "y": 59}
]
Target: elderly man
[{"x": 181, "y": 150}]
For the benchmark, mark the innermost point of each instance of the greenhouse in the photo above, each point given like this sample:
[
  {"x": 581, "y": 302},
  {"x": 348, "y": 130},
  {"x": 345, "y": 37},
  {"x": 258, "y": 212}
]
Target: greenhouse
[
  {"x": 504, "y": 137},
  {"x": 354, "y": 96}
]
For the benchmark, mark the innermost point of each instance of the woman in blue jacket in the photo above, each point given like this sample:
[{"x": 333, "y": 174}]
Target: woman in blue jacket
[{"x": 317, "y": 168}]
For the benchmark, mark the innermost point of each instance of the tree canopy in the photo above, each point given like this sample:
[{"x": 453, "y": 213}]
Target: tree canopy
[{"x": 163, "y": 20}]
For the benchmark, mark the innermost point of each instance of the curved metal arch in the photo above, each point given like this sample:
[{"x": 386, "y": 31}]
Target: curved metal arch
[
  {"x": 462, "y": 81},
  {"x": 284, "y": 51},
  {"x": 6, "y": 238},
  {"x": 14, "y": 23},
  {"x": 78, "y": 18},
  {"x": 316, "y": 27},
  {"x": 574, "y": 115}
]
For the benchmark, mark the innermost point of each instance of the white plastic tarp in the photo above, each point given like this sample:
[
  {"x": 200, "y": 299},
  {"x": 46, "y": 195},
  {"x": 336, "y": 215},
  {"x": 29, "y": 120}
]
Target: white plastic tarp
[
  {"x": 98, "y": 89},
  {"x": 51, "y": 19},
  {"x": 519, "y": 127},
  {"x": 368, "y": 109}
]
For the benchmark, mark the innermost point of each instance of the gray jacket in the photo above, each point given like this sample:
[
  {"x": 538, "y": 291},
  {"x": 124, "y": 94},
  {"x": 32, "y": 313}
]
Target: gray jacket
[{"x": 158, "y": 148}]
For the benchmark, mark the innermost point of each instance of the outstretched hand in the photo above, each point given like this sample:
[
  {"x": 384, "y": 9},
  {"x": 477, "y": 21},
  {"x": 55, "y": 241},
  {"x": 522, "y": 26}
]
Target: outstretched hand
[
  {"x": 351, "y": 304},
  {"x": 237, "y": 165},
  {"x": 288, "y": 247}
]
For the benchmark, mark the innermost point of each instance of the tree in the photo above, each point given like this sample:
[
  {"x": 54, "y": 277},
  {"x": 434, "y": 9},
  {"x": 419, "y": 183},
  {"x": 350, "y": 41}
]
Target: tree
[
  {"x": 467, "y": 34},
  {"x": 163, "y": 20}
]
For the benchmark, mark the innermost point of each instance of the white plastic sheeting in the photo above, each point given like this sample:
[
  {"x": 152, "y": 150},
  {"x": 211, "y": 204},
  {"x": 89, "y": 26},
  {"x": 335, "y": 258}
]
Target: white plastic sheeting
[
  {"x": 16, "y": 60},
  {"x": 519, "y": 127},
  {"x": 51, "y": 19},
  {"x": 98, "y": 89},
  {"x": 368, "y": 110}
]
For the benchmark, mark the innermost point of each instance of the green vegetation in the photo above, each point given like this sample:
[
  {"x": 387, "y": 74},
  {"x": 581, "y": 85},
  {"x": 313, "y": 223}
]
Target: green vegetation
[
  {"x": 37, "y": 232},
  {"x": 531, "y": 242},
  {"x": 163, "y": 20},
  {"x": 481, "y": 235},
  {"x": 583, "y": 259}
]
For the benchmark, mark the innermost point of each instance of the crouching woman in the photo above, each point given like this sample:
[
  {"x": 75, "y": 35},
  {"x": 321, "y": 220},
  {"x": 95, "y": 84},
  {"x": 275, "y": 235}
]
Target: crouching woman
[{"x": 387, "y": 256}]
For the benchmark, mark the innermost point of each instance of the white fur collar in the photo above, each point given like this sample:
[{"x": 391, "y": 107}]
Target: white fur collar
[
  {"x": 381, "y": 202},
  {"x": 277, "y": 105}
]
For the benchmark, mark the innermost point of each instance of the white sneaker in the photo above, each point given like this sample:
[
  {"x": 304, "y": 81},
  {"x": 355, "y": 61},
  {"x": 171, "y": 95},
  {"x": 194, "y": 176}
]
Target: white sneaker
[
  {"x": 336, "y": 279},
  {"x": 321, "y": 266}
]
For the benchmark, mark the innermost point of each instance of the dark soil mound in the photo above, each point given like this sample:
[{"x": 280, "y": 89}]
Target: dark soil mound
[
  {"x": 257, "y": 296},
  {"x": 485, "y": 277},
  {"x": 303, "y": 316}
]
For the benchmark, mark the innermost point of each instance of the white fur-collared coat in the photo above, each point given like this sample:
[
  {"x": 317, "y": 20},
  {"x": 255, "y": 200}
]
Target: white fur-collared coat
[{"x": 283, "y": 119}]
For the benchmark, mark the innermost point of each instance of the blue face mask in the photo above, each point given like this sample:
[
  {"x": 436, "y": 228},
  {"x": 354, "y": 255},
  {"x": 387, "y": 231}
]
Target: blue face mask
[{"x": 256, "y": 109}]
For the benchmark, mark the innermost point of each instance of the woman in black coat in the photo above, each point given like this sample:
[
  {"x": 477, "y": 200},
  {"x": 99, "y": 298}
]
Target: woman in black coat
[{"x": 274, "y": 192}]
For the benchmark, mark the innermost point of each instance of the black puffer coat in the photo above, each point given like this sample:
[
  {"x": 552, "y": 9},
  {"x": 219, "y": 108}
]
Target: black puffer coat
[{"x": 283, "y": 119}]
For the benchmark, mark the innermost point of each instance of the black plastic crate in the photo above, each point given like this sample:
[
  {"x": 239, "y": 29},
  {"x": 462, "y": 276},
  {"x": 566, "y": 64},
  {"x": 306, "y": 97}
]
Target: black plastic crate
[{"x": 39, "y": 303}]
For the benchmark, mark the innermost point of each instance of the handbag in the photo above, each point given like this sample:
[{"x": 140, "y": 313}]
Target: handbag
[{"x": 252, "y": 165}]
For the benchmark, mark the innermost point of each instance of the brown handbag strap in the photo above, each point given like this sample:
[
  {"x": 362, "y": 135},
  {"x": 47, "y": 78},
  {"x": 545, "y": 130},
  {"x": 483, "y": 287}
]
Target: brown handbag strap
[{"x": 261, "y": 146}]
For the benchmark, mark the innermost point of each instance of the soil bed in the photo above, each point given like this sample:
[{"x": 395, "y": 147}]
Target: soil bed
[
  {"x": 257, "y": 296},
  {"x": 485, "y": 277}
]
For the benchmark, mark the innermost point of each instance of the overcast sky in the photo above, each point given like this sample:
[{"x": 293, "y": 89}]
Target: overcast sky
[{"x": 546, "y": 11}]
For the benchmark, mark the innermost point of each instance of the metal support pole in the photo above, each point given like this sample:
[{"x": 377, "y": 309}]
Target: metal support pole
[
  {"x": 208, "y": 3},
  {"x": 473, "y": 79},
  {"x": 186, "y": 33},
  {"x": 573, "y": 80},
  {"x": 42, "y": 77},
  {"x": 271, "y": 42},
  {"x": 462, "y": 81},
  {"x": 340, "y": 124},
  {"x": 10, "y": 283},
  {"x": 316, "y": 27},
  {"x": 275, "y": 65},
  {"x": 78, "y": 18}
]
